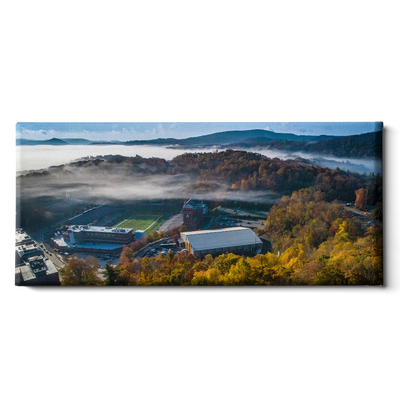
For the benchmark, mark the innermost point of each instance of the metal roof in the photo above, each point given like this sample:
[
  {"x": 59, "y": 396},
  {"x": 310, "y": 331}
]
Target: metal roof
[
  {"x": 220, "y": 238},
  {"x": 92, "y": 228}
]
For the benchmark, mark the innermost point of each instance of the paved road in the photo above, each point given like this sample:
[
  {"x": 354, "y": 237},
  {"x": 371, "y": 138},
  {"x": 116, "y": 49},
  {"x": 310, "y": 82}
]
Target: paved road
[
  {"x": 47, "y": 250},
  {"x": 363, "y": 214}
]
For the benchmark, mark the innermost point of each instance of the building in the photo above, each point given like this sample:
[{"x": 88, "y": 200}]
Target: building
[
  {"x": 93, "y": 239},
  {"x": 32, "y": 268},
  {"x": 77, "y": 234},
  {"x": 37, "y": 271},
  {"x": 22, "y": 238},
  {"x": 215, "y": 242},
  {"x": 140, "y": 234},
  {"x": 193, "y": 212}
]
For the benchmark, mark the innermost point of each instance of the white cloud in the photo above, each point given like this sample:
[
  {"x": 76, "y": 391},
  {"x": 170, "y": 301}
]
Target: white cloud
[{"x": 33, "y": 132}]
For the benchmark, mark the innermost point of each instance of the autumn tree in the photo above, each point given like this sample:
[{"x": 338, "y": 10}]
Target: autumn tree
[
  {"x": 360, "y": 198},
  {"x": 329, "y": 275},
  {"x": 80, "y": 272},
  {"x": 183, "y": 228}
]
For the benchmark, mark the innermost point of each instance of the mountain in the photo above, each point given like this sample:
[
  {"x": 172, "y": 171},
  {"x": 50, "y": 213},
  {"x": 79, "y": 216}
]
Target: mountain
[
  {"x": 355, "y": 146},
  {"x": 50, "y": 142},
  {"x": 155, "y": 142},
  {"x": 77, "y": 141},
  {"x": 219, "y": 138},
  {"x": 366, "y": 145},
  {"x": 229, "y": 137}
]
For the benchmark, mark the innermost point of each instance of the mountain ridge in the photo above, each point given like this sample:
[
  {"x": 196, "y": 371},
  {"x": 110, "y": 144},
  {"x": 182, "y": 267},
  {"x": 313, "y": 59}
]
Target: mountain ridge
[
  {"x": 359, "y": 146},
  {"x": 217, "y": 138}
]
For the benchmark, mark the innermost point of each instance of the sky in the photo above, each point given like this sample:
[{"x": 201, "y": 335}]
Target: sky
[{"x": 148, "y": 130}]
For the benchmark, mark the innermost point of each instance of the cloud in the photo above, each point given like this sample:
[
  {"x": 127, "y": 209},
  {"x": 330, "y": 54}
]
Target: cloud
[{"x": 33, "y": 132}]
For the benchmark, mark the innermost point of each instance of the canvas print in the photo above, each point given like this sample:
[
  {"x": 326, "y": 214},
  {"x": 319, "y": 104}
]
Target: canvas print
[{"x": 199, "y": 204}]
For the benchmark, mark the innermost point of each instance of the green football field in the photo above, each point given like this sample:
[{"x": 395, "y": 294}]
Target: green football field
[{"x": 147, "y": 222}]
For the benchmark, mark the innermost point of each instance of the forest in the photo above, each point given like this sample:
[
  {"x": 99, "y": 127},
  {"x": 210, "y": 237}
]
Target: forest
[
  {"x": 367, "y": 145},
  {"x": 220, "y": 175},
  {"x": 315, "y": 242}
]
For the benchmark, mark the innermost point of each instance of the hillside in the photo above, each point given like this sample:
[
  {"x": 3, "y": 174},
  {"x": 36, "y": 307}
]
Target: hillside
[
  {"x": 230, "y": 137},
  {"x": 219, "y": 138},
  {"x": 367, "y": 145},
  {"x": 49, "y": 142}
]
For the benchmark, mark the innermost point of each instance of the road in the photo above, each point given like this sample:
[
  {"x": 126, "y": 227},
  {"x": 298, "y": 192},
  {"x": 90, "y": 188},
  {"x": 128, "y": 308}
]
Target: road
[
  {"x": 55, "y": 258},
  {"x": 363, "y": 214}
]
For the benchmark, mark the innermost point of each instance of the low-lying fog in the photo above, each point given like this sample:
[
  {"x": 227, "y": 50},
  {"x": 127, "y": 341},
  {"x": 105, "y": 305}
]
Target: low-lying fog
[
  {"x": 39, "y": 157},
  {"x": 119, "y": 183}
]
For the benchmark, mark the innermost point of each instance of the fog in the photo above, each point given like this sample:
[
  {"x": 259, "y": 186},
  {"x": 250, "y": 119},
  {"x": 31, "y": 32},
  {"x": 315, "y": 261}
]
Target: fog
[
  {"x": 117, "y": 182},
  {"x": 352, "y": 164},
  {"x": 39, "y": 157}
]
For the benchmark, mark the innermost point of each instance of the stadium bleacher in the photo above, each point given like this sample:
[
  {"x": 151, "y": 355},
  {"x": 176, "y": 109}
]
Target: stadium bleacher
[{"x": 91, "y": 216}]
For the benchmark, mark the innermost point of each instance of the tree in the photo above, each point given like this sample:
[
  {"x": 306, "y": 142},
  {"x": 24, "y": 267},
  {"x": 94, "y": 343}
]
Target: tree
[
  {"x": 124, "y": 278},
  {"x": 361, "y": 198},
  {"x": 377, "y": 212},
  {"x": 111, "y": 275},
  {"x": 329, "y": 275},
  {"x": 80, "y": 272},
  {"x": 48, "y": 216},
  {"x": 183, "y": 228}
]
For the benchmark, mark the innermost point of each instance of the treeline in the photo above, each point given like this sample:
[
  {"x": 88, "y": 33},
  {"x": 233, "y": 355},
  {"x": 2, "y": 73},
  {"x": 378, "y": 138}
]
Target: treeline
[
  {"x": 317, "y": 241},
  {"x": 367, "y": 145},
  {"x": 238, "y": 170},
  {"x": 251, "y": 171},
  {"x": 230, "y": 170}
]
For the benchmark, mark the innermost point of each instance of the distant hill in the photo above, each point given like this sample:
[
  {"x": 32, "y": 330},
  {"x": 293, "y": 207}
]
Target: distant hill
[
  {"x": 229, "y": 137},
  {"x": 355, "y": 146},
  {"x": 77, "y": 141},
  {"x": 50, "y": 142},
  {"x": 366, "y": 145}
]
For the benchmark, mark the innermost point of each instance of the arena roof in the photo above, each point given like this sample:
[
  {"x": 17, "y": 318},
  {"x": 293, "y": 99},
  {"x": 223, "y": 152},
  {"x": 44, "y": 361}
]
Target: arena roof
[{"x": 220, "y": 238}]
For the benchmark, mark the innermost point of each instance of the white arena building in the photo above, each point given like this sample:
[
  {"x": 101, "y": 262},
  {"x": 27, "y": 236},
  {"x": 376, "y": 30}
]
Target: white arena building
[{"x": 215, "y": 242}]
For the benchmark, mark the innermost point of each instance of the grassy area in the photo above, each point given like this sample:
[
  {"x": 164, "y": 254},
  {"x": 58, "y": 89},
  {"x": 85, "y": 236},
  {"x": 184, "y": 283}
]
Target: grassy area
[{"x": 147, "y": 222}]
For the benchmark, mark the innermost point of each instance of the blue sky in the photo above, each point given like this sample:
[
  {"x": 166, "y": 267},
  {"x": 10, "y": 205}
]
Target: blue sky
[{"x": 139, "y": 131}]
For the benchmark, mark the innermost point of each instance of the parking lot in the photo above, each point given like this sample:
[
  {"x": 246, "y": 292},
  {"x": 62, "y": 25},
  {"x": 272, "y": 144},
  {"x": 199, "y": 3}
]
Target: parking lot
[
  {"x": 227, "y": 222},
  {"x": 164, "y": 247}
]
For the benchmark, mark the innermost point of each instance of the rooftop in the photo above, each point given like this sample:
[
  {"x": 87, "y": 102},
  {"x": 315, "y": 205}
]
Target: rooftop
[
  {"x": 194, "y": 203},
  {"x": 219, "y": 238},
  {"x": 90, "y": 228},
  {"x": 21, "y": 237}
]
